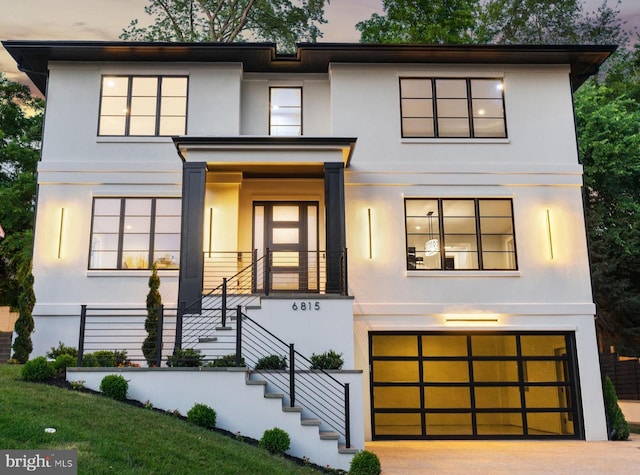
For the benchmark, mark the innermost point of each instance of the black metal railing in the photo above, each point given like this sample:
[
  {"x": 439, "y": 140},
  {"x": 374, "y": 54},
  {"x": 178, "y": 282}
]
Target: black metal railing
[
  {"x": 122, "y": 332},
  {"x": 314, "y": 389},
  {"x": 321, "y": 272}
]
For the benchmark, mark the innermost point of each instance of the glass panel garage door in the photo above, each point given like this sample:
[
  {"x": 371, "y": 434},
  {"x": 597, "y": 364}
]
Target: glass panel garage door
[{"x": 473, "y": 385}]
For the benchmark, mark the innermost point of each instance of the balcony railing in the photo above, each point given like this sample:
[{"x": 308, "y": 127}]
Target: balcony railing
[{"x": 321, "y": 272}]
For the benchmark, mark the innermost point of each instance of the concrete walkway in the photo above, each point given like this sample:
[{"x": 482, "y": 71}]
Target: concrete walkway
[{"x": 508, "y": 457}]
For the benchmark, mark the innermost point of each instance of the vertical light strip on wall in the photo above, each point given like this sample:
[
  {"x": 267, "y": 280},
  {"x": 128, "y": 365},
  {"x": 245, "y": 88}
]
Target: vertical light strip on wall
[
  {"x": 210, "y": 230},
  {"x": 60, "y": 233},
  {"x": 549, "y": 234},
  {"x": 370, "y": 242}
]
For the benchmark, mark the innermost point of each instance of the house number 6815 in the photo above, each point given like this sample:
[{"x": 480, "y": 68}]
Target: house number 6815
[{"x": 305, "y": 306}]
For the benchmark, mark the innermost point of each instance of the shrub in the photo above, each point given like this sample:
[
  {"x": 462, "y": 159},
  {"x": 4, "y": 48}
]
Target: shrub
[
  {"x": 38, "y": 369},
  {"x": 275, "y": 441},
  {"x": 272, "y": 362},
  {"x": 154, "y": 301},
  {"x": 22, "y": 345},
  {"x": 327, "y": 360},
  {"x": 202, "y": 415},
  {"x": 62, "y": 350},
  {"x": 618, "y": 426},
  {"x": 365, "y": 463},
  {"x": 226, "y": 361},
  {"x": 187, "y": 358},
  {"x": 106, "y": 359},
  {"x": 114, "y": 386},
  {"x": 63, "y": 361}
]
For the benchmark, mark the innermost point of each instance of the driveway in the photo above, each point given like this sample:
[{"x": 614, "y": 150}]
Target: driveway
[{"x": 508, "y": 457}]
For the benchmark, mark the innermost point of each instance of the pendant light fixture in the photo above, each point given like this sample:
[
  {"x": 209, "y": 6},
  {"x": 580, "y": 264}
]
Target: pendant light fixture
[{"x": 432, "y": 246}]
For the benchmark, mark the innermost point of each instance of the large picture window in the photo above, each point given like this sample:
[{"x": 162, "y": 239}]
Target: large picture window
[
  {"x": 460, "y": 234},
  {"x": 454, "y": 108},
  {"x": 133, "y": 233},
  {"x": 285, "y": 111},
  {"x": 143, "y": 106}
]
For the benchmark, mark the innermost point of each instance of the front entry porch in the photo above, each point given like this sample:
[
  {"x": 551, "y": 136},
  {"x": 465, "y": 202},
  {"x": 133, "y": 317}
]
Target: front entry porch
[{"x": 280, "y": 198}]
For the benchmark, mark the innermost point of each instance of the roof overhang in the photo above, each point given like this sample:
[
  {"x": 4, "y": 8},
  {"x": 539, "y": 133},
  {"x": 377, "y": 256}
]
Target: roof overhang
[
  {"x": 33, "y": 57},
  {"x": 261, "y": 156}
]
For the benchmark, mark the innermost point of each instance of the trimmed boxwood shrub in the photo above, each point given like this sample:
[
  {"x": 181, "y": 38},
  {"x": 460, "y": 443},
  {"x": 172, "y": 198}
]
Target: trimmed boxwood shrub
[
  {"x": 63, "y": 361},
  {"x": 114, "y": 386},
  {"x": 187, "y": 358},
  {"x": 619, "y": 428},
  {"x": 38, "y": 369},
  {"x": 226, "y": 361},
  {"x": 106, "y": 359},
  {"x": 365, "y": 463},
  {"x": 275, "y": 440},
  {"x": 327, "y": 360},
  {"x": 272, "y": 362},
  {"x": 202, "y": 415}
]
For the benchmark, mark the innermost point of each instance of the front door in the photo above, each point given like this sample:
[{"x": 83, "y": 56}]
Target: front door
[{"x": 289, "y": 231}]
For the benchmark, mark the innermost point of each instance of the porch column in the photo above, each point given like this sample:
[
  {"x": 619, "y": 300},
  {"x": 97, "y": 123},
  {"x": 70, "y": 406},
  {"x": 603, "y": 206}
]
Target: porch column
[
  {"x": 335, "y": 223},
  {"x": 194, "y": 177}
]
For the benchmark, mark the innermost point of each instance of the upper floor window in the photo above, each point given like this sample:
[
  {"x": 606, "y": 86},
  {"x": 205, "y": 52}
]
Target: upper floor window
[
  {"x": 454, "y": 234},
  {"x": 133, "y": 233},
  {"x": 285, "y": 111},
  {"x": 452, "y": 108},
  {"x": 143, "y": 105}
]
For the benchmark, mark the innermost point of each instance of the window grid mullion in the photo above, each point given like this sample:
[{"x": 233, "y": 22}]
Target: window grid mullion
[
  {"x": 152, "y": 231},
  {"x": 476, "y": 204},
  {"x": 158, "y": 111},
  {"x": 470, "y": 108},
  {"x": 121, "y": 233},
  {"x": 434, "y": 100},
  {"x": 127, "y": 123}
]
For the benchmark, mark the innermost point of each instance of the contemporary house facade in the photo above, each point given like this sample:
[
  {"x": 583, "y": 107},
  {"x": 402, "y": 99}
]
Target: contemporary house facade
[{"x": 416, "y": 208}]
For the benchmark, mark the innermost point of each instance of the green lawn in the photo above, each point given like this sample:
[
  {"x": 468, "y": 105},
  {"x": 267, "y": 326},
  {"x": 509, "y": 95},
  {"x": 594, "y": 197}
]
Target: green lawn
[{"x": 118, "y": 438}]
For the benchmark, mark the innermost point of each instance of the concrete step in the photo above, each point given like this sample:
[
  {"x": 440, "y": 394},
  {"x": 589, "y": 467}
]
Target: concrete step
[
  {"x": 342, "y": 449},
  {"x": 329, "y": 435},
  {"x": 308, "y": 421}
]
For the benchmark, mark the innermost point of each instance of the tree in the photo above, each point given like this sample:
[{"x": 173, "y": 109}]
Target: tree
[
  {"x": 608, "y": 124},
  {"x": 421, "y": 21},
  {"x": 281, "y": 21},
  {"x": 548, "y": 22},
  {"x": 154, "y": 301},
  {"x": 20, "y": 133}
]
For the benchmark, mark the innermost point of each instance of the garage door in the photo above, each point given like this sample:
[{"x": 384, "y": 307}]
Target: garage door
[{"x": 473, "y": 385}]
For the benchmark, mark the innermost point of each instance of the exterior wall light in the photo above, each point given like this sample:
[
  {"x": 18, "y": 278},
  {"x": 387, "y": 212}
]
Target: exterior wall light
[
  {"x": 549, "y": 234},
  {"x": 370, "y": 234},
  {"x": 60, "y": 233}
]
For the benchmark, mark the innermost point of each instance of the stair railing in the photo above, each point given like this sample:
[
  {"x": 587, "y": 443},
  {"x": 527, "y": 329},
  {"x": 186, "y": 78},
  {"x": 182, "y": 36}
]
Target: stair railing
[{"x": 314, "y": 389}]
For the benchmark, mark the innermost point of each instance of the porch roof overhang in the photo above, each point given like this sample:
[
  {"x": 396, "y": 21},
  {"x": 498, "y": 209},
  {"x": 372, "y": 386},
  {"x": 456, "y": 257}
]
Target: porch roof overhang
[
  {"x": 265, "y": 156},
  {"x": 33, "y": 57}
]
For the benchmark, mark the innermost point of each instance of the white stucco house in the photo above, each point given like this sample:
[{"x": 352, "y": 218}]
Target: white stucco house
[{"x": 416, "y": 208}]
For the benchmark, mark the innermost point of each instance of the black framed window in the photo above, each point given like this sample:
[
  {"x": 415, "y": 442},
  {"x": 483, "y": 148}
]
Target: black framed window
[
  {"x": 133, "y": 233},
  {"x": 285, "y": 111},
  {"x": 474, "y": 385},
  {"x": 452, "y": 108},
  {"x": 143, "y": 106},
  {"x": 460, "y": 234}
]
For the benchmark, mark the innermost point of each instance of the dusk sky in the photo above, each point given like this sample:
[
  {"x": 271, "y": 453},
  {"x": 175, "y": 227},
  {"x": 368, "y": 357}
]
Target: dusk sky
[{"x": 105, "y": 19}]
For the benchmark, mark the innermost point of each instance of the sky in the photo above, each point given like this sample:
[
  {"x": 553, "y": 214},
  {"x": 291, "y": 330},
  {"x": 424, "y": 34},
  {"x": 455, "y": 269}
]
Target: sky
[{"x": 103, "y": 20}]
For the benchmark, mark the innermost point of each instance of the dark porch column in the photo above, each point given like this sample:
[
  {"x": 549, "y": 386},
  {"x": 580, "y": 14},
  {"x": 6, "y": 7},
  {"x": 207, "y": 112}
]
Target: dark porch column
[
  {"x": 335, "y": 223},
  {"x": 194, "y": 177}
]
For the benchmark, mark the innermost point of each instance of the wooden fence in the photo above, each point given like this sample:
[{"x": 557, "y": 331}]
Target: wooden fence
[{"x": 624, "y": 374}]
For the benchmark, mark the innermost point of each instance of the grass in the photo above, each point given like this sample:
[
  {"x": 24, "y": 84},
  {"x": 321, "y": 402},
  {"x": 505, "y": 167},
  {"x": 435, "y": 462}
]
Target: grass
[
  {"x": 117, "y": 438},
  {"x": 634, "y": 428}
]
